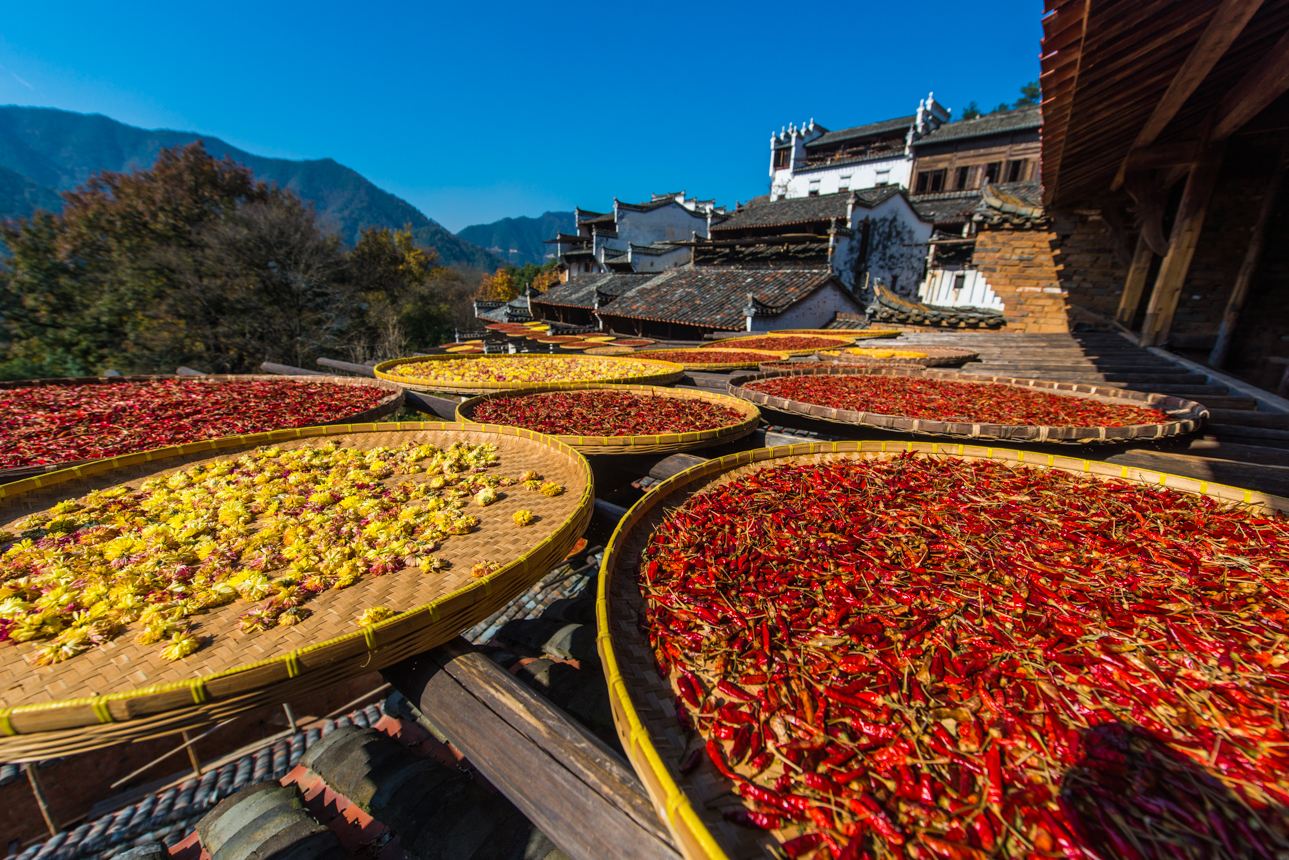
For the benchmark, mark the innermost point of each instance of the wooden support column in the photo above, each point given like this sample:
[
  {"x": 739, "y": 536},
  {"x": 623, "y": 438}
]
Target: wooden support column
[
  {"x": 1134, "y": 285},
  {"x": 1248, "y": 266},
  {"x": 1181, "y": 248}
]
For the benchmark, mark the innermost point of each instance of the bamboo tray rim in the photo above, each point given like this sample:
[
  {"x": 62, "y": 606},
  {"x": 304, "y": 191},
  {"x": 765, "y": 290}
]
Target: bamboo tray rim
[
  {"x": 1185, "y": 416},
  {"x": 840, "y": 340},
  {"x": 662, "y": 372},
  {"x": 673, "y": 805},
  {"x": 388, "y": 405},
  {"x": 927, "y": 356},
  {"x": 656, "y": 442},
  {"x": 291, "y": 662}
]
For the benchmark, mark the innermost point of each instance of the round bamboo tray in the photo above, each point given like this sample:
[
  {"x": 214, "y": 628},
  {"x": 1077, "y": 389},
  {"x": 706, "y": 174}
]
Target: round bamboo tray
[
  {"x": 855, "y": 333},
  {"x": 692, "y": 803},
  {"x": 1184, "y": 416},
  {"x": 609, "y": 350},
  {"x": 645, "y": 444},
  {"x": 657, "y": 373},
  {"x": 699, "y": 351},
  {"x": 123, "y": 691},
  {"x": 390, "y": 404},
  {"x": 919, "y": 356},
  {"x": 734, "y": 342}
]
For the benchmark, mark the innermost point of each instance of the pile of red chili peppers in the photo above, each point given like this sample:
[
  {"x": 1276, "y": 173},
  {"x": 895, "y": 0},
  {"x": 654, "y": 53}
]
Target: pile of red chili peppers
[
  {"x": 946, "y": 400},
  {"x": 784, "y": 342},
  {"x": 49, "y": 424},
  {"x": 605, "y": 413},
  {"x": 707, "y": 355},
  {"x": 952, "y": 658}
]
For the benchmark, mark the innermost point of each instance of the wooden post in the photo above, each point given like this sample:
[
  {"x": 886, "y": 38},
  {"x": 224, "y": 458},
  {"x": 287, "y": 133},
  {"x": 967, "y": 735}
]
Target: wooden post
[
  {"x": 192, "y": 754},
  {"x": 1135, "y": 283},
  {"x": 1248, "y": 266},
  {"x": 38, "y": 792},
  {"x": 1181, "y": 248}
]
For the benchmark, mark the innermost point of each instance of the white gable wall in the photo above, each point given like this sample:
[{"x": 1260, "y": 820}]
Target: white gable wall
[
  {"x": 815, "y": 311},
  {"x": 895, "y": 170}
]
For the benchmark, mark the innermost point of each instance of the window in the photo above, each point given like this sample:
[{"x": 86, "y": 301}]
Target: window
[
  {"x": 992, "y": 170},
  {"x": 959, "y": 281},
  {"x": 960, "y": 180},
  {"x": 814, "y": 188},
  {"x": 1016, "y": 170},
  {"x": 883, "y": 177},
  {"x": 782, "y": 157},
  {"x": 844, "y": 183},
  {"x": 930, "y": 181}
]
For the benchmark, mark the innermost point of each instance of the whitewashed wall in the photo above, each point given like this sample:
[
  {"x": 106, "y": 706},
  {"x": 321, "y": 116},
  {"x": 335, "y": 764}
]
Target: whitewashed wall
[
  {"x": 660, "y": 262},
  {"x": 975, "y": 290},
  {"x": 814, "y": 312},
  {"x": 896, "y": 170}
]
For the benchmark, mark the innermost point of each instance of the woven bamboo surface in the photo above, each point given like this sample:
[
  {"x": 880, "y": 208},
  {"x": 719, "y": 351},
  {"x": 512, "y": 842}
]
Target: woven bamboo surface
[
  {"x": 658, "y": 373},
  {"x": 125, "y": 691},
  {"x": 643, "y": 704},
  {"x": 610, "y": 350},
  {"x": 1184, "y": 416},
  {"x": 925, "y": 356},
  {"x": 645, "y": 444},
  {"x": 734, "y": 342},
  {"x": 390, "y": 404},
  {"x": 699, "y": 351}
]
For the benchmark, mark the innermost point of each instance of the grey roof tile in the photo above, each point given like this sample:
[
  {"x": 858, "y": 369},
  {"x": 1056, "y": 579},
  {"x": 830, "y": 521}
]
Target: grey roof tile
[
  {"x": 1021, "y": 119},
  {"x": 716, "y": 297}
]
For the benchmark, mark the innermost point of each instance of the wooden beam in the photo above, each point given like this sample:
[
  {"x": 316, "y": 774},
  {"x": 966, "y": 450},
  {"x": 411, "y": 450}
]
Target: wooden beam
[
  {"x": 1181, "y": 248},
  {"x": 1226, "y": 24},
  {"x": 1161, "y": 155},
  {"x": 571, "y": 785},
  {"x": 1134, "y": 285},
  {"x": 1262, "y": 85},
  {"x": 1248, "y": 266}
]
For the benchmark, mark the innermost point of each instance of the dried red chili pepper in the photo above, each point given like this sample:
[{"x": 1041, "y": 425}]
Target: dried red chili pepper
[{"x": 605, "y": 413}]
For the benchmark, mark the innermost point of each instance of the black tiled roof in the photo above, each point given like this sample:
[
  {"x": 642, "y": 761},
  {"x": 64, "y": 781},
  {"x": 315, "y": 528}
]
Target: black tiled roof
[
  {"x": 515, "y": 310},
  {"x": 716, "y": 297},
  {"x": 887, "y": 307},
  {"x": 886, "y": 126},
  {"x": 1016, "y": 203},
  {"x": 995, "y": 123},
  {"x": 580, "y": 292},
  {"x": 954, "y": 207},
  {"x": 804, "y": 210}
]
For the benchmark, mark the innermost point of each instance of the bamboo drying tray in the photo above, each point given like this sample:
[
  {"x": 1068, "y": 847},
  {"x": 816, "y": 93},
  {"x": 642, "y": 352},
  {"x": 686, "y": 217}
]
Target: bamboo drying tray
[
  {"x": 123, "y": 691},
  {"x": 644, "y": 444},
  {"x": 390, "y": 404},
  {"x": 926, "y": 356},
  {"x": 644, "y": 713},
  {"x": 1184, "y": 416},
  {"x": 733, "y": 342},
  {"x": 658, "y": 373},
  {"x": 610, "y": 350},
  {"x": 699, "y": 351},
  {"x": 855, "y": 333}
]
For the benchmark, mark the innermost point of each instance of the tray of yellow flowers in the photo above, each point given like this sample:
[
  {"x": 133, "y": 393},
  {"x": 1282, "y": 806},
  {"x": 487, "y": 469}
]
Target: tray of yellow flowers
[{"x": 148, "y": 593}]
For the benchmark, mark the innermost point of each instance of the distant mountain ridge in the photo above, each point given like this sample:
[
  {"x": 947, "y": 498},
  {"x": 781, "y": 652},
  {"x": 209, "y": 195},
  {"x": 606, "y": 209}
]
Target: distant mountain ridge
[
  {"x": 44, "y": 151},
  {"x": 519, "y": 240}
]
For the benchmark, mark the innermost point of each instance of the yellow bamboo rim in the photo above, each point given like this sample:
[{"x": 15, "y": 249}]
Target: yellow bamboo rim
[
  {"x": 388, "y": 405},
  {"x": 655, "y": 373},
  {"x": 644, "y": 443},
  {"x": 763, "y": 355},
  {"x": 60, "y": 726},
  {"x": 698, "y": 828},
  {"x": 856, "y": 333}
]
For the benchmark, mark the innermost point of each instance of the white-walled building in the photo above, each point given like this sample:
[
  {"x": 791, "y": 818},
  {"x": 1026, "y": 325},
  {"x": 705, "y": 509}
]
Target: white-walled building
[
  {"x": 810, "y": 160},
  {"x": 636, "y": 237}
]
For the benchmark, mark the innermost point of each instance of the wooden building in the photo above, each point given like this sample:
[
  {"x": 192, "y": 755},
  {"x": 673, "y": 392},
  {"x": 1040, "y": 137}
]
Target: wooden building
[
  {"x": 1164, "y": 145},
  {"x": 635, "y": 237},
  {"x": 969, "y": 154}
]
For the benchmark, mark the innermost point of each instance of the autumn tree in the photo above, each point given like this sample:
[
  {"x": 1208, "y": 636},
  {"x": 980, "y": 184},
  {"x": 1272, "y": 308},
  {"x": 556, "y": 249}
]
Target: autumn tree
[{"x": 500, "y": 286}]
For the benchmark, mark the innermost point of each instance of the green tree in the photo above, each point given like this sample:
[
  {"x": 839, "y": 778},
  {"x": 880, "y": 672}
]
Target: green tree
[
  {"x": 971, "y": 111},
  {"x": 1030, "y": 94}
]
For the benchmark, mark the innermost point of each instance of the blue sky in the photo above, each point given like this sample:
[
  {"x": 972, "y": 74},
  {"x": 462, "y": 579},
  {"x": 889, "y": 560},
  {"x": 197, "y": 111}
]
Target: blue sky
[{"x": 476, "y": 111}]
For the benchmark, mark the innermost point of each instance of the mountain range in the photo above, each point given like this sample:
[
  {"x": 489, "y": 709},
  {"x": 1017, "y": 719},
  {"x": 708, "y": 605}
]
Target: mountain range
[
  {"x": 45, "y": 151},
  {"x": 520, "y": 240}
]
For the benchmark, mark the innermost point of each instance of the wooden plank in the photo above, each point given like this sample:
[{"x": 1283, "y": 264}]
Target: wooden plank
[
  {"x": 441, "y": 407},
  {"x": 1226, "y": 23},
  {"x": 288, "y": 370},
  {"x": 1249, "y": 418},
  {"x": 1267, "y": 402},
  {"x": 348, "y": 367},
  {"x": 1181, "y": 249},
  {"x": 673, "y": 465},
  {"x": 1235, "y": 451},
  {"x": 1248, "y": 266},
  {"x": 566, "y": 781},
  {"x": 1134, "y": 285},
  {"x": 1262, "y": 435},
  {"x": 1262, "y": 85}
]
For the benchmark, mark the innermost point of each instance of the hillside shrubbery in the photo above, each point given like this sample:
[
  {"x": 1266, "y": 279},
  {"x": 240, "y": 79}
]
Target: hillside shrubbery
[{"x": 195, "y": 262}]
